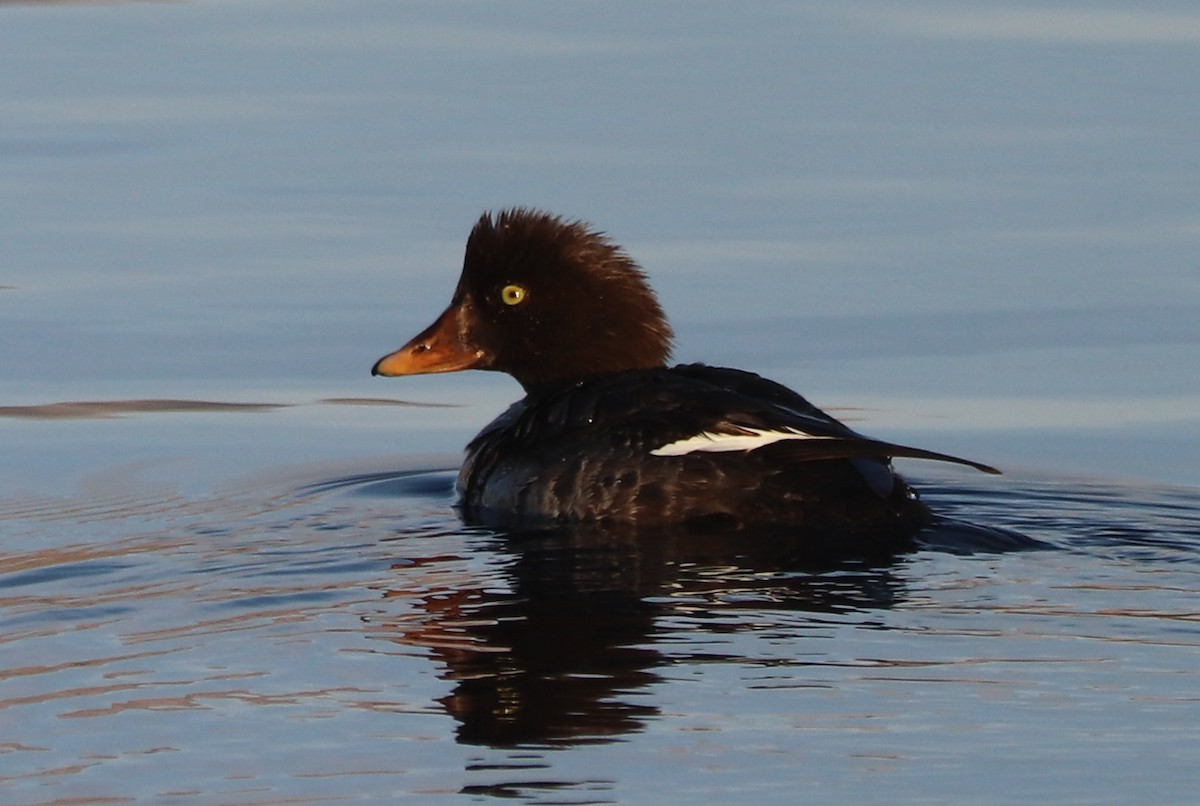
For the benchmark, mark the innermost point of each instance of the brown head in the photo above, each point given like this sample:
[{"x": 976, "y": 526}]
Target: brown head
[{"x": 541, "y": 299}]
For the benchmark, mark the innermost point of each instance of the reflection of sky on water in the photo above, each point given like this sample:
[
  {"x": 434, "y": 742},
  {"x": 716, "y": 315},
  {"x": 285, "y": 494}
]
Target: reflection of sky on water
[{"x": 1030, "y": 24}]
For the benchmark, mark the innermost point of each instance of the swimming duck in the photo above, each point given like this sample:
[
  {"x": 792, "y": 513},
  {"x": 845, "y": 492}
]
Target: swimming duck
[{"x": 608, "y": 432}]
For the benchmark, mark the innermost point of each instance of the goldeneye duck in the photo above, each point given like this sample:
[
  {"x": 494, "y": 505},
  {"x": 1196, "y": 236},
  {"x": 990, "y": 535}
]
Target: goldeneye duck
[{"x": 608, "y": 432}]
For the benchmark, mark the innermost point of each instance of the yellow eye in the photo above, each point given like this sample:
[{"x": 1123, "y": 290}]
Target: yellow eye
[{"x": 512, "y": 294}]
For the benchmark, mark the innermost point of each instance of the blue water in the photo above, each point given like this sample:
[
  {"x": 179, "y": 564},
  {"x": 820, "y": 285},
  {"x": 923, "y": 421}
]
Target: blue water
[{"x": 230, "y": 570}]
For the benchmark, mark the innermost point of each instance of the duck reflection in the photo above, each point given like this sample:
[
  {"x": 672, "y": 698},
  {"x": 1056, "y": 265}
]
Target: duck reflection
[{"x": 559, "y": 647}]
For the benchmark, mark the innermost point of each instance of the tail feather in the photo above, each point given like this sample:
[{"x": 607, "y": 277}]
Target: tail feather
[{"x": 819, "y": 449}]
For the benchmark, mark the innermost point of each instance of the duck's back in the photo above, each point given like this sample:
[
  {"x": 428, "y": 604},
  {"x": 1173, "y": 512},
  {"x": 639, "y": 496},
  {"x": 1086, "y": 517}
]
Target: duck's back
[{"x": 693, "y": 445}]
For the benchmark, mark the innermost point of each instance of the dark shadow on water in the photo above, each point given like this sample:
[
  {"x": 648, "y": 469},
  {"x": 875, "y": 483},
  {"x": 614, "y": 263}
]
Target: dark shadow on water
[
  {"x": 422, "y": 483},
  {"x": 1134, "y": 521},
  {"x": 963, "y": 538},
  {"x": 559, "y": 647},
  {"x": 108, "y": 409}
]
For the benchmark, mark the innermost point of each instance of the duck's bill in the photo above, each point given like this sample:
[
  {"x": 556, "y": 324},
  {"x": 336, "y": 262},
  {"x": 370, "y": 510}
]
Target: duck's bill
[{"x": 438, "y": 348}]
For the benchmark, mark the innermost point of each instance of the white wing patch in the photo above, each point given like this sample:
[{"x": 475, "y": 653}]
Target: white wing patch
[{"x": 747, "y": 440}]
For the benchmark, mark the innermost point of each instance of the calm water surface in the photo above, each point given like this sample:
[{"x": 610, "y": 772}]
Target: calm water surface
[
  {"x": 230, "y": 569},
  {"x": 347, "y": 638}
]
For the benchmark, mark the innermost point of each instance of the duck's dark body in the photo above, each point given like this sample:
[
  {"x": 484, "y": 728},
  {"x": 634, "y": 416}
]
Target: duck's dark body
[
  {"x": 584, "y": 451},
  {"x": 607, "y": 432}
]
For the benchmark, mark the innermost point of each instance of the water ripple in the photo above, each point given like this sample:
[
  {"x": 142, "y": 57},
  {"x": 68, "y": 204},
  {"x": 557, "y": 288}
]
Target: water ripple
[{"x": 357, "y": 609}]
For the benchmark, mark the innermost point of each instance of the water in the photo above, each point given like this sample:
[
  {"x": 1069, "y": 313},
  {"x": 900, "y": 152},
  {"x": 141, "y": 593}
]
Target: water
[
  {"x": 347, "y": 638},
  {"x": 230, "y": 570}
]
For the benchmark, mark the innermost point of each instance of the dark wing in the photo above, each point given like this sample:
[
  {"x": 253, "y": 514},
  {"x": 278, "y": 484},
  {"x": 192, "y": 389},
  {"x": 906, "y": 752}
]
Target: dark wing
[
  {"x": 714, "y": 409},
  {"x": 689, "y": 406}
]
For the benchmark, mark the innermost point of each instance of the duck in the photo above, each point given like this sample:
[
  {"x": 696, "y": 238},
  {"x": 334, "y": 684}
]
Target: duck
[{"x": 609, "y": 432}]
